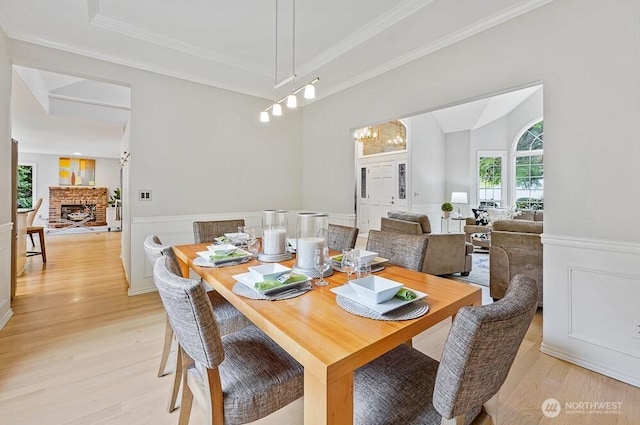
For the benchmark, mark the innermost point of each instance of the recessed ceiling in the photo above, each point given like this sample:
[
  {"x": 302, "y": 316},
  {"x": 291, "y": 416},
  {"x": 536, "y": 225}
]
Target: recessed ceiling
[
  {"x": 231, "y": 44},
  {"x": 476, "y": 114},
  {"x": 57, "y": 114},
  {"x": 226, "y": 44}
]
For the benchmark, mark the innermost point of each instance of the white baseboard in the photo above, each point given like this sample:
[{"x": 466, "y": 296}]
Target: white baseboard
[
  {"x": 571, "y": 358},
  {"x": 140, "y": 291}
]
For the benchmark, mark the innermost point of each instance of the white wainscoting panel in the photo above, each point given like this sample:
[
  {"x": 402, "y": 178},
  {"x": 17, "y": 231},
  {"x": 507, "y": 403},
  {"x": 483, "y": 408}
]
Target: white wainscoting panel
[
  {"x": 178, "y": 230},
  {"x": 5, "y": 273},
  {"x": 591, "y": 305},
  {"x": 603, "y": 323}
]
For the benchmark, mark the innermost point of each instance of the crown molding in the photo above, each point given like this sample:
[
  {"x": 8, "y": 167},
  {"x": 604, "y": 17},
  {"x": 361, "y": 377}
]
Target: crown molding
[
  {"x": 129, "y": 63},
  {"x": 455, "y": 37},
  {"x": 88, "y": 102},
  {"x": 100, "y": 20}
]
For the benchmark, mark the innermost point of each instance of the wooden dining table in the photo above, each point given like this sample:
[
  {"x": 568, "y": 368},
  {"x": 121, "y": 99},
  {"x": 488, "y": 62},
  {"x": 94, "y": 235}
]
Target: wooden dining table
[{"x": 329, "y": 342}]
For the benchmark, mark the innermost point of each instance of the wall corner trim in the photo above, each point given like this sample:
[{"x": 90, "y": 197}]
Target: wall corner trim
[{"x": 5, "y": 318}]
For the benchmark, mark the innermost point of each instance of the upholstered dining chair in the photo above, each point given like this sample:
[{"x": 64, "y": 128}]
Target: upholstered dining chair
[
  {"x": 38, "y": 230},
  {"x": 401, "y": 249},
  {"x": 206, "y": 231},
  {"x": 406, "y": 386},
  {"x": 240, "y": 378},
  {"x": 228, "y": 317},
  {"x": 341, "y": 237}
]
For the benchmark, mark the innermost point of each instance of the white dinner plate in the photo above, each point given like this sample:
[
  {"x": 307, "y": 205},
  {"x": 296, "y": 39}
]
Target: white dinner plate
[
  {"x": 382, "y": 308},
  {"x": 375, "y": 262},
  {"x": 239, "y": 254},
  {"x": 375, "y": 268},
  {"x": 250, "y": 279}
]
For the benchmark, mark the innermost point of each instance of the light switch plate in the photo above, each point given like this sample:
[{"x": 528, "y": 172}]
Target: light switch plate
[{"x": 144, "y": 195}]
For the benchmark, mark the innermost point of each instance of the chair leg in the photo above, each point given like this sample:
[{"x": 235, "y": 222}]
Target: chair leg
[
  {"x": 166, "y": 349},
  {"x": 187, "y": 396},
  {"x": 458, "y": 420},
  {"x": 33, "y": 244},
  {"x": 43, "y": 249},
  {"x": 175, "y": 387}
]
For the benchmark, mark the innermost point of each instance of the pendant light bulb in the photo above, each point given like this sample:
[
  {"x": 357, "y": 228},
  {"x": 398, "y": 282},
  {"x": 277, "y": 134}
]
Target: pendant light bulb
[
  {"x": 292, "y": 101},
  {"x": 309, "y": 91},
  {"x": 276, "y": 111},
  {"x": 264, "y": 116}
]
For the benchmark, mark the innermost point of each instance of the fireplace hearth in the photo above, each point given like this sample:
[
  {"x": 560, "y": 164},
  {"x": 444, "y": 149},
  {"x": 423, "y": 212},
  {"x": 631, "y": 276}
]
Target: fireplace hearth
[
  {"x": 70, "y": 206},
  {"x": 78, "y": 212}
]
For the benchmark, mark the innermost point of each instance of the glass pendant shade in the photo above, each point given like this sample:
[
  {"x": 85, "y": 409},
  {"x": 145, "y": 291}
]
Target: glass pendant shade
[
  {"x": 309, "y": 91},
  {"x": 264, "y": 116},
  {"x": 276, "y": 110},
  {"x": 292, "y": 101}
]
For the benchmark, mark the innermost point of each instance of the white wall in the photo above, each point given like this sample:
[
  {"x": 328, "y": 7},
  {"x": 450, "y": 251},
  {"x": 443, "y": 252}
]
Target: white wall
[
  {"x": 195, "y": 147},
  {"x": 427, "y": 156},
  {"x": 585, "y": 53},
  {"x": 458, "y": 174},
  {"x": 5, "y": 182},
  {"x": 47, "y": 167}
]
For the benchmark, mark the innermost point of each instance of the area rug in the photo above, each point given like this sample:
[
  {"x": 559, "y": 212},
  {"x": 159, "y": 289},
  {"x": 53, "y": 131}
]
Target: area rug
[{"x": 479, "y": 270}]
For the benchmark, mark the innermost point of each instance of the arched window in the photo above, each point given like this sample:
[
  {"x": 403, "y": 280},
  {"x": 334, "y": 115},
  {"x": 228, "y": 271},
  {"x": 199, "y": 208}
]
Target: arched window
[{"x": 529, "y": 170}]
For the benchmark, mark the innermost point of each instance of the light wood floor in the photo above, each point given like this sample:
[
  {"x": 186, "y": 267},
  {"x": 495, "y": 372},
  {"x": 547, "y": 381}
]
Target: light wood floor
[{"x": 79, "y": 351}]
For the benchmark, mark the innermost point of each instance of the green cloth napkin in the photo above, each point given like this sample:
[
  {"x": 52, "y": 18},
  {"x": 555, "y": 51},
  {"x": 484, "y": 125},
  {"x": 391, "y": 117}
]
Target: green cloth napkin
[
  {"x": 234, "y": 254},
  {"x": 406, "y": 294},
  {"x": 270, "y": 284}
]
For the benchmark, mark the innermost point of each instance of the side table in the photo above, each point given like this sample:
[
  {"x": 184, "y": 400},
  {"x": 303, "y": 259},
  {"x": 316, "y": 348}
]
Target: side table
[{"x": 481, "y": 240}]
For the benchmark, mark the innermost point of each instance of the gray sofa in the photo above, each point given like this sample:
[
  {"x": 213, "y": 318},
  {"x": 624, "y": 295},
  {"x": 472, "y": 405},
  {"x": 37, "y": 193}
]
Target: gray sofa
[
  {"x": 516, "y": 248},
  {"x": 447, "y": 253}
]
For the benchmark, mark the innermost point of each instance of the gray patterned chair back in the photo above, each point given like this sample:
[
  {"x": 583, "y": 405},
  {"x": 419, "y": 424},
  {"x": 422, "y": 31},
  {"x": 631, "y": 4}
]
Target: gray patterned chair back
[
  {"x": 341, "y": 237},
  {"x": 190, "y": 313},
  {"x": 481, "y": 347},
  {"x": 401, "y": 249},
  {"x": 206, "y": 231},
  {"x": 153, "y": 248}
]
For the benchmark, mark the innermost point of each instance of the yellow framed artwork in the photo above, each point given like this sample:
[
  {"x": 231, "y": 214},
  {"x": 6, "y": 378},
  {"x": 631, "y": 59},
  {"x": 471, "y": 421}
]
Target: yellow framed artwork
[{"x": 77, "y": 172}]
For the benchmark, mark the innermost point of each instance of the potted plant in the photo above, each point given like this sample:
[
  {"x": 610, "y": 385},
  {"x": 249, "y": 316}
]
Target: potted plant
[
  {"x": 446, "y": 208},
  {"x": 113, "y": 212},
  {"x": 114, "y": 200}
]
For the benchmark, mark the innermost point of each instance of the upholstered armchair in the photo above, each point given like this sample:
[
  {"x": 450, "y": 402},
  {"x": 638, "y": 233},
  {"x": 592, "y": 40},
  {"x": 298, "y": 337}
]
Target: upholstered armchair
[
  {"x": 446, "y": 253},
  {"x": 516, "y": 248}
]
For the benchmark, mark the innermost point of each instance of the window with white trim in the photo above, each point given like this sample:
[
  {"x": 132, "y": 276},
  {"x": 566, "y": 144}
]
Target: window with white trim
[
  {"x": 529, "y": 169},
  {"x": 491, "y": 174}
]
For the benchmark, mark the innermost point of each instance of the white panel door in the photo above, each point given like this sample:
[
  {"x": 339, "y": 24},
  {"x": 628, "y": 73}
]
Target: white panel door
[{"x": 382, "y": 184}]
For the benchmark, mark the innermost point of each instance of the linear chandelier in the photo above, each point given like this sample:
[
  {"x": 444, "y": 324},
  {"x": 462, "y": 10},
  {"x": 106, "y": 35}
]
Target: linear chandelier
[
  {"x": 291, "y": 99},
  {"x": 391, "y": 133}
]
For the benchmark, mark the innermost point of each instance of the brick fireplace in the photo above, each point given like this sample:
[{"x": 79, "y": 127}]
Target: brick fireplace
[{"x": 77, "y": 204}]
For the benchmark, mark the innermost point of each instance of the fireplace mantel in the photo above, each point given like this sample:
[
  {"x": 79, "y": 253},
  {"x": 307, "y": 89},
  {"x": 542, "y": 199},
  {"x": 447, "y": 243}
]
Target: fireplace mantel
[{"x": 74, "y": 195}]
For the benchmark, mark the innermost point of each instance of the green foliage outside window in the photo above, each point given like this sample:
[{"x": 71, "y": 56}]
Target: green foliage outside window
[
  {"x": 25, "y": 186},
  {"x": 490, "y": 171}
]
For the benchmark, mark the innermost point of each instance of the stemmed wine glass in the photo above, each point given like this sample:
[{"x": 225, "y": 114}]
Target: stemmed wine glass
[
  {"x": 322, "y": 263},
  {"x": 348, "y": 262},
  {"x": 253, "y": 245}
]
